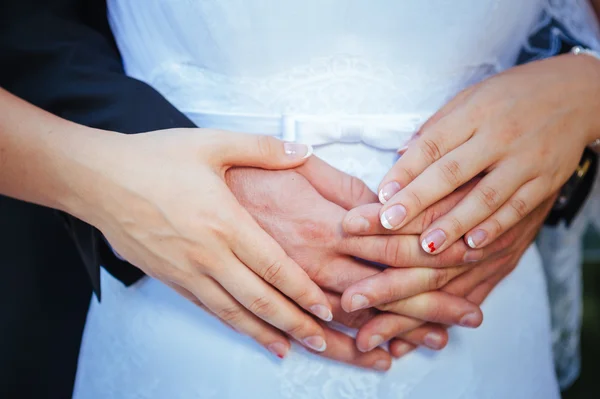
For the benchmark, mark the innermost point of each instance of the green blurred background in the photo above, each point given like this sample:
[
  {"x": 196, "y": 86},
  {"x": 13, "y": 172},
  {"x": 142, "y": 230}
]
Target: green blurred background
[{"x": 588, "y": 384}]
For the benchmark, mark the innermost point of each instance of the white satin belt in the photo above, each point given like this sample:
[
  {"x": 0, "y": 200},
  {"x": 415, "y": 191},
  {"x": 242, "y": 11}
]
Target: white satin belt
[{"x": 385, "y": 132}]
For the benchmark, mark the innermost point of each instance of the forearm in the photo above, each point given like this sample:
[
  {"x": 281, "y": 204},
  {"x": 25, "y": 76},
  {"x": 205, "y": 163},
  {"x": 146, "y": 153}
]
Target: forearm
[{"x": 45, "y": 159}]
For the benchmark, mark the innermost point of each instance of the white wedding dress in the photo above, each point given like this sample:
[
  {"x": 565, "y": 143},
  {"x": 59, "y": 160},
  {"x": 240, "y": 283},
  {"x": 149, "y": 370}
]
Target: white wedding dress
[{"x": 355, "y": 78}]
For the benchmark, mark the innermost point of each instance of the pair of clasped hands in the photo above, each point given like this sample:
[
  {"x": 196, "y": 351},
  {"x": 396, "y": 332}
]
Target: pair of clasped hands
[{"x": 275, "y": 242}]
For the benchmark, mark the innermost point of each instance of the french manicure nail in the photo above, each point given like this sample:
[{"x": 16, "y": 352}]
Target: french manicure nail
[
  {"x": 393, "y": 216},
  {"x": 381, "y": 365},
  {"x": 470, "y": 320},
  {"x": 297, "y": 150},
  {"x": 358, "y": 302},
  {"x": 402, "y": 150},
  {"x": 357, "y": 224},
  {"x": 374, "y": 342},
  {"x": 322, "y": 312},
  {"x": 315, "y": 343},
  {"x": 433, "y": 341},
  {"x": 278, "y": 349},
  {"x": 388, "y": 191},
  {"x": 433, "y": 241},
  {"x": 476, "y": 238}
]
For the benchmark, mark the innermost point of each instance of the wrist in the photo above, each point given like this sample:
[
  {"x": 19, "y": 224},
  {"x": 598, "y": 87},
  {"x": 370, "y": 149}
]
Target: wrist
[
  {"x": 589, "y": 71},
  {"x": 89, "y": 157}
]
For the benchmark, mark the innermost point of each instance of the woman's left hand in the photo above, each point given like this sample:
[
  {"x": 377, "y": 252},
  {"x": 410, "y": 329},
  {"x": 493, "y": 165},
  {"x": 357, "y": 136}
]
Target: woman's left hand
[{"x": 524, "y": 129}]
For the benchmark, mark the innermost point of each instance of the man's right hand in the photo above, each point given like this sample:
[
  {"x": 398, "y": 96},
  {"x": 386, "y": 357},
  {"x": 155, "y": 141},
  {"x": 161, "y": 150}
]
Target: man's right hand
[{"x": 161, "y": 201}]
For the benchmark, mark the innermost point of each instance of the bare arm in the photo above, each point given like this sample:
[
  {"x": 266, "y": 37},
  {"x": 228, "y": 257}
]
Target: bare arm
[{"x": 45, "y": 159}]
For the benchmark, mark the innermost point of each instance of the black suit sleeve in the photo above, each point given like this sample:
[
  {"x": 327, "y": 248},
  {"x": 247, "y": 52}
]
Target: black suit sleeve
[{"x": 60, "y": 56}]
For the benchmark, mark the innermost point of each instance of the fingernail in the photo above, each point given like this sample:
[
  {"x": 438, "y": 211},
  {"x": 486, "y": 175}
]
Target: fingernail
[
  {"x": 470, "y": 320},
  {"x": 357, "y": 224},
  {"x": 278, "y": 349},
  {"x": 374, "y": 342},
  {"x": 473, "y": 256},
  {"x": 476, "y": 238},
  {"x": 358, "y": 302},
  {"x": 402, "y": 150},
  {"x": 402, "y": 349},
  {"x": 297, "y": 150},
  {"x": 433, "y": 241},
  {"x": 433, "y": 341},
  {"x": 388, "y": 191},
  {"x": 393, "y": 217},
  {"x": 381, "y": 365},
  {"x": 322, "y": 312},
  {"x": 315, "y": 343}
]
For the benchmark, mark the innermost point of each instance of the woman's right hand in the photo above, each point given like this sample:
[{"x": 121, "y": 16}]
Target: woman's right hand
[{"x": 161, "y": 201}]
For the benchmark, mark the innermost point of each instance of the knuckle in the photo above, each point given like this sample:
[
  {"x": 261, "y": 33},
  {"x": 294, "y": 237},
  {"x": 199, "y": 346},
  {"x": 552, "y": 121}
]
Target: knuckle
[
  {"x": 496, "y": 227},
  {"x": 434, "y": 310},
  {"x": 489, "y": 197},
  {"x": 355, "y": 187},
  {"x": 264, "y": 146},
  {"x": 273, "y": 273},
  {"x": 431, "y": 150},
  {"x": 298, "y": 329},
  {"x": 429, "y": 216},
  {"x": 262, "y": 307},
  {"x": 456, "y": 226},
  {"x": 415, "y": 199},
  {"x": 451, "y": 171},
  {"x": 437, "y": 279},
  {"x": 230, "y": 314},
  {"x": 519, "y": 207},
  {"x": 393, "y": 251},
  {"x": 409, "y": 174}
]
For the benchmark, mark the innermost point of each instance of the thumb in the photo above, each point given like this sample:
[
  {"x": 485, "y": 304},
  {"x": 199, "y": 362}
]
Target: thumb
[
  {"x": 265, "y": 152},
  {"x": 336, "y": 186}
]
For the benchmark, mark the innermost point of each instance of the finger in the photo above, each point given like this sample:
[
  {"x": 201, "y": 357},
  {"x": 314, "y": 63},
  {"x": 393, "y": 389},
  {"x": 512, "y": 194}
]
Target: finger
[
  {"x": 342, "y": 348},
  {"x": 395, "y": 284},
  {"x": 364, "y": 220},
  {"x": 438, "y": 307},
  {"x": 485, "y": 199},
  {"x": 399, "y": 348},
  {"x": 518, "y": 206},
  {"x": 260, "y": 151},
  {"x": 228, "y": 310},
  {"x": 464, "y": 284},
  {"x": 430, "y": 335},
  {"x": 437, "y": 181},
  {"x": 269, "y": 304},
  {"x": 435, "y": 139},
  {"x": 351, "y": 320},
  {"x": 405, "y": 251},
  {"x": 382, "y": 328},
  {"x": 263, "y": 255},
  {"x": 336, "y": 186},
  {"x": 342, "y": 272}
]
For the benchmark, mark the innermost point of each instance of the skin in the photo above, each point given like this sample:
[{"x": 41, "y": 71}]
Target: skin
[{"x": 511, "y": 130}]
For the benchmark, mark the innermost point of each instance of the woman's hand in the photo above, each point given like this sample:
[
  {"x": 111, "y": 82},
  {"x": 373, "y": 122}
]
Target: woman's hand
[
  {"x": 161, "y": 201},
  {"x": 524, "y": 129},
  {"x": 392, "y": 292}
]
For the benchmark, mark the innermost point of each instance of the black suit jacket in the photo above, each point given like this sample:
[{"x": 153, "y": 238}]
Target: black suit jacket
[{"x": 60, "y": 55}]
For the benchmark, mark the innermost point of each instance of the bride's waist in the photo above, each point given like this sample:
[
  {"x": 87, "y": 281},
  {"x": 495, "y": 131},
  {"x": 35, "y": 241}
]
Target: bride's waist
[{"x": 387, "y": 132}]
